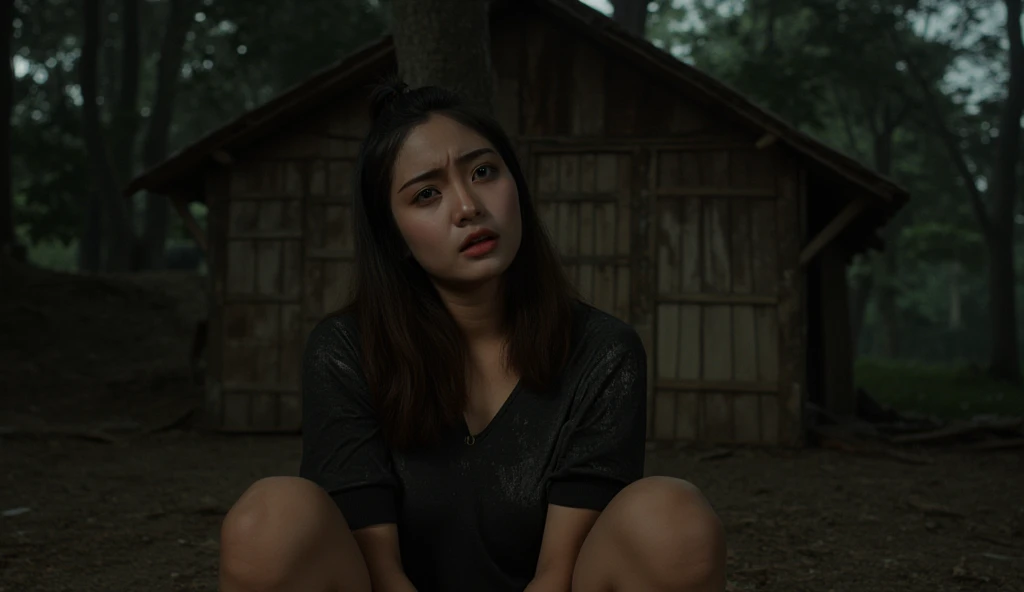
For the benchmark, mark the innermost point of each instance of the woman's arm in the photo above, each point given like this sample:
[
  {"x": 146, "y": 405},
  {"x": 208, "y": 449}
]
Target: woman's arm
[
  {"x": 565, "y": 529},
  {"x": 604, "y": 453},
  {"x": 379, "y": 545},
  {"x": 344, "y": 452}
]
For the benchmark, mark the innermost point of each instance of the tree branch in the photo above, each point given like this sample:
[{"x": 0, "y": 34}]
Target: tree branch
[
  {"x": 868, "y": 110},
  {"x": 900, "y": 116},
  {"x": 172, "y": 49},
  {"x": 949, "y": 140},
  {"x": 844, "y": 117}
]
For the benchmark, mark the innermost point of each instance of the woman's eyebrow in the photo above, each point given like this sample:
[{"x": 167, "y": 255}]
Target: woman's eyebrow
[{"x": 436, "y": 172}]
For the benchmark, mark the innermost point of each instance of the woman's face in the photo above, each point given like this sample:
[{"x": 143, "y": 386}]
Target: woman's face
[{"x": 455, "y": 203}]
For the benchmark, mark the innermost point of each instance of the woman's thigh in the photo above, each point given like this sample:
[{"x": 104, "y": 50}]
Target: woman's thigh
[
  {"x": 658, "y": 533},
  {"x": 284, "y": 534}
]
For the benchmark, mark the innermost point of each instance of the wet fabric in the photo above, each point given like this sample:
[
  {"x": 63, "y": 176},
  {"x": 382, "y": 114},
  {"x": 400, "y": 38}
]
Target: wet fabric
[{"x": 471, "y": 516}]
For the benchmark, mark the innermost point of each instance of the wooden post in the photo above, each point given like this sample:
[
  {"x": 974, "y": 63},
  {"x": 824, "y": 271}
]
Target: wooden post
[
  {"x": 792, "y": 306},
  {"x": 217, "y": 188},
  {"x": 837, "y": 381},
  {"x": 642, "y": 265}
]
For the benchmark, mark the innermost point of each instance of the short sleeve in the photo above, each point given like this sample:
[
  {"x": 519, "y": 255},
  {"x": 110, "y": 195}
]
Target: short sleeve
[
  {"x": 343, "y": 450},
  {"x": 606, "y": 440}
]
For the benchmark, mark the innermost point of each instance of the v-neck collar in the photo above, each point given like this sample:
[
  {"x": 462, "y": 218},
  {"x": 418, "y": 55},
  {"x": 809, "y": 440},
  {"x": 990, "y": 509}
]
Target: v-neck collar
[{"x": 470, "y": 439}]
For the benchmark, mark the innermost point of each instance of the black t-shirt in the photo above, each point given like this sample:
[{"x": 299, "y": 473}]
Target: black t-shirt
[{"x": 471, "y": 517}]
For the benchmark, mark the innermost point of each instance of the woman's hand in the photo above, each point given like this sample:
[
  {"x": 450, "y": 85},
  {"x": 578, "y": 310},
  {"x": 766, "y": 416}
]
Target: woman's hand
[
  {"x": 550, "y": 582},
  {"x": 379, "y": 545}
]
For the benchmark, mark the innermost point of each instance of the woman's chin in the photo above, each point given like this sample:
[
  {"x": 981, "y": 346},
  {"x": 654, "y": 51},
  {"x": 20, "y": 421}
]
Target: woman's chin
[{"x": 476, "y": 276}]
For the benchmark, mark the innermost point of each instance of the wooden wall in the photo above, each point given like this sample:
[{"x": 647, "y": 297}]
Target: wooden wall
[
  {"x": 256, "y": 233},
  {"x": 724, "y": 284},
  {"x": 583, "y": 198},
  {"x": 664, "y": 213},
  {"x": 553, "y": 82},
  {"x": 281, "y": 233}
]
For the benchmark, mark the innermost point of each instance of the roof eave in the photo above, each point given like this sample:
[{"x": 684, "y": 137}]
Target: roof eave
[{"x": 161, "y": 178}]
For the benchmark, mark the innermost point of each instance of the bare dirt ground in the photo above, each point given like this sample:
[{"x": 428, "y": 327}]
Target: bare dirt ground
[{"x": 102, "y": 488}]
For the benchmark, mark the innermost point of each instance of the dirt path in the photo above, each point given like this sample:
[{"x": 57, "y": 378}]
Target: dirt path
[{"x": 143, "y": 513}]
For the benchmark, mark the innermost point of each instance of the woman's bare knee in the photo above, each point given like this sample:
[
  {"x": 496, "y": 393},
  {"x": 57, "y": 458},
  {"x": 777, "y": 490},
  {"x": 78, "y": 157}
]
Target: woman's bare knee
[{"x": 278, "y": 535}]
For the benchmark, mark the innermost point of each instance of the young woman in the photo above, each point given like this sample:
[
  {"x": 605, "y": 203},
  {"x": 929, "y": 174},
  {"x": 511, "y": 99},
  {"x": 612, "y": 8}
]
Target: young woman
[{"x": 469, "y": 424}]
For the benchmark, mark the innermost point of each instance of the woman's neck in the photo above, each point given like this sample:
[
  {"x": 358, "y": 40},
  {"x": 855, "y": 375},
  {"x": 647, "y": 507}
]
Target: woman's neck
[{"x": 477, "y": 312}]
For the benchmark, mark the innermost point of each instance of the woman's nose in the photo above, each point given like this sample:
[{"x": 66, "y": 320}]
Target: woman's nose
[{"x": 467, "y": 208}]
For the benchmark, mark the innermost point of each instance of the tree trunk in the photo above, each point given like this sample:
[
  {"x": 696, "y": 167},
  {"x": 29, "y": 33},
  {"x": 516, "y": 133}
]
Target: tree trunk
[
  {"x": 125, "y": 116},
  {"x": 891, "y": 346},
  {"x": 888, "y": 263},
  {"x": 90, "y": 241},
  {"x": 996, "y": 222},
  {"x": 1004, "y": 364},
  {"x": 862, "y": 291},
  {"x": 120, "y": 239},
  {"x": 7, "y": 107},
  {"x": 956, "y": 316},
  {"x": 632, "y": 15},
  {"x": 1002, "y": 278},
  {"x": 154, "y": 150},
  {"x": 445, "y": 43},
  {"x": 769, "y": 28},
  {"x": 124, "y": 128}
]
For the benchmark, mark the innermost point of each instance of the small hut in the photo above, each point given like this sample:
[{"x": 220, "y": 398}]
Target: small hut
[{"x": 720, "y": 232}]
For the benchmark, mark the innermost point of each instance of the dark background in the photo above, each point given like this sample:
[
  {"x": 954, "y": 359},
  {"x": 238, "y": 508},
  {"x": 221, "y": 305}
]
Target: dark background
[{"x": 105, "y": 484}]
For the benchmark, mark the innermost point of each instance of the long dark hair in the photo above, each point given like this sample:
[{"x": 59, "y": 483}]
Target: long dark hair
[{"x": 413, "y": 354}]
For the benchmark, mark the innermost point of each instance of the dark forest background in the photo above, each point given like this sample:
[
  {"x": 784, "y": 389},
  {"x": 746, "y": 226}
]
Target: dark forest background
[{"x": 929, "y": 92}]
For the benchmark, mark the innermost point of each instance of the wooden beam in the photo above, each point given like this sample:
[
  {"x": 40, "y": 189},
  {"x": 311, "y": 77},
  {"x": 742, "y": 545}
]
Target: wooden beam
[
  {"x": 832, "y": 229},
  {"x": 766, "y": 141},
  {"x": 180, "y": 203}
]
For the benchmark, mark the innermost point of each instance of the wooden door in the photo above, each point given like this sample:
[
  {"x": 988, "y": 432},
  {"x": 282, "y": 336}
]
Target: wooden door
[
  {"x": 719, "y": 216},
  {"x": 583, "y": 198}
]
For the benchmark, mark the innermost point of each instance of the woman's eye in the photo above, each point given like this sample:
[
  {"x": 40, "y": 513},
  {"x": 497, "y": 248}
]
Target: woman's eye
[
  {"x": 483, "y": 171},
  {"x": 424, "y": 194}
]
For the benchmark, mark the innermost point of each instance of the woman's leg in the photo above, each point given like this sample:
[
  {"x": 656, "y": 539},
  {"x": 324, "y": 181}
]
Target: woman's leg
[
  {"x": 286, "y": 534},
  {"x": 657, "y": 535}
]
